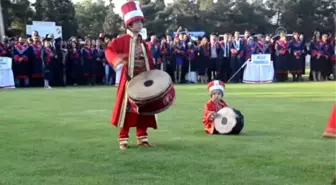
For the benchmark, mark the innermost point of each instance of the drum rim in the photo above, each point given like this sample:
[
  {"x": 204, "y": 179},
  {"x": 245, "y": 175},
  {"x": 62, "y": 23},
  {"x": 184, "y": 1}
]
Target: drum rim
[
  {"x": 160, "y": 110},
  {"x": 150, "y": 100},
  {"x": 157, "y": 96}
]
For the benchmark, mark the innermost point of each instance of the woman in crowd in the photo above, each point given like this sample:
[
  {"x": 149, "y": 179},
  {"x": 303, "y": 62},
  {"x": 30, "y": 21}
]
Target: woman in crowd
[
  {"x": 295, "y": 58},
  {"x": 179, "y": 54},
  {"x": 204, "y": 59},
  {"x": 281, "y": 61},
  {"x": 315, "y": 65},
  {"x": 251, "y": 48},
  {"x": 99, "y": 61},
  {"x": 48, "y": 56},
  {"x": 87, "y": 60},
  {"x": 74, "y": 61}
]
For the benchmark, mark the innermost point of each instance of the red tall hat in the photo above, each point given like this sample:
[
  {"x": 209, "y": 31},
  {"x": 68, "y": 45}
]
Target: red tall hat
[
  {"x": 330, "y": 131},
  {"x": 216, "y": 85},
  {"x": 131, "y": 11}
]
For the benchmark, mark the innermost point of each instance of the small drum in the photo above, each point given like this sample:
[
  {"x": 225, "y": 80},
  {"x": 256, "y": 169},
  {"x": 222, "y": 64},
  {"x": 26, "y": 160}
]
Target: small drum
[
  {"x": 229, "y": 121},
  {"x": 152, "y": 91}
]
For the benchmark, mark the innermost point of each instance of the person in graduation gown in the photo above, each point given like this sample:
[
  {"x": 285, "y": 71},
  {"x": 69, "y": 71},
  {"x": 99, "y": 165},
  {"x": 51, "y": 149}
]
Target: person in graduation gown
[
  {"x": 212, "y": 106},
  {"x": 87, "y": 62},
  {"x": 262, "y": 46},
  {"x": 325, "y": 56},
  {"x": 281, "y": 61},
  {"x": 48, "y": 56},
  {"x": 250, "y": 48},
  {"x": 225, "y": 45},
  {"x": 154, "y": 47},
  {"x": 37, "y": 69},
  {"x": 74, "y": 60},
  {"x": 297, "y": 49},
  {"x": 237, "y": 57},
  {"x": 99, "y": 61},
  {"x": 320, "y": 52},
  {"x": 22, "y": 62},
  {"x": 125, "y": 114},
  {"x": 204, "y": 59}
]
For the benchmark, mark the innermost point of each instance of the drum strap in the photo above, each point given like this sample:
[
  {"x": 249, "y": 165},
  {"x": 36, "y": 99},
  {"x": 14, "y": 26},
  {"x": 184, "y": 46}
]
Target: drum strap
[{"x": 146, "y": 57}]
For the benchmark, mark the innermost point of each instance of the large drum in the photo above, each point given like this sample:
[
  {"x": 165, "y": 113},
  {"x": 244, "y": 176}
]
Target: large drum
[
  {"x": 152, "y": 91},
  {"x": 229, "y": 121}
]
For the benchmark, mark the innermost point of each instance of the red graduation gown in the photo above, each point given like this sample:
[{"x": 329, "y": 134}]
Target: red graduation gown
[
  {"x": 210, "y": 107},
  {"x": 120, "y": 116}
]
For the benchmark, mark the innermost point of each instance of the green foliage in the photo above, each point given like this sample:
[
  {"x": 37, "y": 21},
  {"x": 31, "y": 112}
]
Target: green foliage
[
  {"x": 90, "y": 17},
  {"x": 112, "y": 23},
  {"x": 260, "y": 16}
]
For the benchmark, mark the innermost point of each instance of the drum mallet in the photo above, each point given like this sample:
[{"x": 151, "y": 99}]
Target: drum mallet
[{"x": 241, "y": 67}]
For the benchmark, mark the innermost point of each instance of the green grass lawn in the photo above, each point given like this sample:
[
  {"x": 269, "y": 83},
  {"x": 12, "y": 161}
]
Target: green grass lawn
[{"x": 63, "y": 137}]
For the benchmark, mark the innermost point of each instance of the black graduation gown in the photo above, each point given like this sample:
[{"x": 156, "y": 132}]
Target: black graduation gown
[
  {"x": 295, "y": 57},
  {"x": 282, "y": 53},
  {"x": 22, "y": 61},
  {"x": 98, "y": 63},
  {"x": 74, "y": 61},
  {"x": 48, "y": 58},
  {"x": 87, "y": 60},
  {"x": 37, "y": 66}
]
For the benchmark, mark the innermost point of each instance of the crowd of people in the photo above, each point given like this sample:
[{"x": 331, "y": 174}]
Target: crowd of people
[{"x": 46, "y": 61}]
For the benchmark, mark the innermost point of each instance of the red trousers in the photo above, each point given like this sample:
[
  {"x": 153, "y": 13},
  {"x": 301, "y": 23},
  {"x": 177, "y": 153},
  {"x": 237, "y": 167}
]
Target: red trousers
[
  {"x": 140, "y": 132},
  {"x": 141, "y": 123}
]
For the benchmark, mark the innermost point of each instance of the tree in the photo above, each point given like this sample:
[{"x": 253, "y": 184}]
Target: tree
[
  {"x": 60, "y": 11},
  {"x": 16, "y": 14},
  {"x": 112, "y": 23},
  {"x": 90, "y": 17}
]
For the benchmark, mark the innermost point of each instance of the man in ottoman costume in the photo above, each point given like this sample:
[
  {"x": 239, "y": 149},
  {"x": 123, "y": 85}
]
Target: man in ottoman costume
[{"x": 130, "y": 51}]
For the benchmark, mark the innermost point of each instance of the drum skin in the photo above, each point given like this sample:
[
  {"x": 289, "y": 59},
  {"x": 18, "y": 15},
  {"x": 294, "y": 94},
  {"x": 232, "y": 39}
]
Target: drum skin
[
  {"x": 152, "y": 91},
  {"x": 229, "y": 122}
]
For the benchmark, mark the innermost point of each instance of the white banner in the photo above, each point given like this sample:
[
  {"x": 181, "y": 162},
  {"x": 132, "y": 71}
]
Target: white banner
[
  {"x": 5, "y": 63},
  {"x": 259, "y": 69},
  {"x": 6, "y": 73},
  {"x": 44, "y": 30}
]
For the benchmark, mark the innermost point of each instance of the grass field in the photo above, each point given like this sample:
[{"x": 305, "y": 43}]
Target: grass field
[{"x": 63, "y": 137}]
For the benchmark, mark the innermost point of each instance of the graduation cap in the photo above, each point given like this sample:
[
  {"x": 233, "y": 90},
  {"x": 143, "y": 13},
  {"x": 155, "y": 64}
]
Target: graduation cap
[
  {"x": 46, "y": 39},
  {"x": 50, "y": 36}
]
